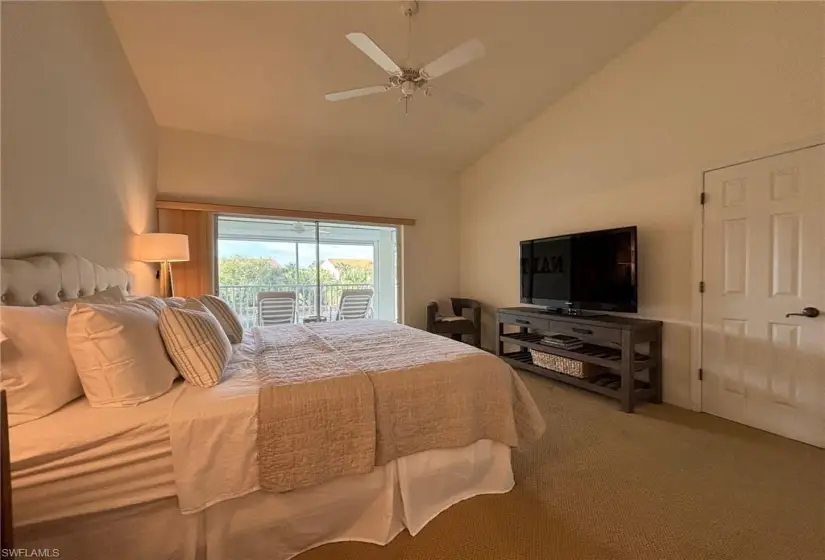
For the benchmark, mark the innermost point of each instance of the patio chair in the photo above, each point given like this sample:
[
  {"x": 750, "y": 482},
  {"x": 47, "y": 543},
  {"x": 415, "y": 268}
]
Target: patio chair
[
  {"x": 276, "y": 308},
  {"x": 355, "y": 304}
]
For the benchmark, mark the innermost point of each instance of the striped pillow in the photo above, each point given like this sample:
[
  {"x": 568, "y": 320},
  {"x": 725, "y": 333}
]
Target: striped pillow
[
  {"x": 196, "y": 342},
  {"x": 153, "y": 303},
  {"x": 174, "y": 301},
  {"x": 226, "y": 317}
]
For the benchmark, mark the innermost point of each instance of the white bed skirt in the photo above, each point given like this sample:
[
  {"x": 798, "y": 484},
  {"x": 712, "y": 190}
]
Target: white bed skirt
[{"x": 376, "y": 507}]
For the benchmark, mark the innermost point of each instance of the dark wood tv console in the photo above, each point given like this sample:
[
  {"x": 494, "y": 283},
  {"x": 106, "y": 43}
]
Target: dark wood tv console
[{"x": 610, "y": 341}]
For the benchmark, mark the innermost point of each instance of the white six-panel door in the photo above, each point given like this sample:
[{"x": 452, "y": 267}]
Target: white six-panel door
[{"x": 764, "y": 257}]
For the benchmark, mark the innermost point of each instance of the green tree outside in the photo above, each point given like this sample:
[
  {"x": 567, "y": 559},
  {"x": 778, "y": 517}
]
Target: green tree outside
[
  {"x": 354, "y": 274},
  {"x": 244, "y": 271},
  {"x": 307, "y": 275},
  {"x": 251, "y": 271}
]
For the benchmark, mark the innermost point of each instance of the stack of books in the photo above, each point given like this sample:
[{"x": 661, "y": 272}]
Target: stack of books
[{"x": 563, "y": 341}]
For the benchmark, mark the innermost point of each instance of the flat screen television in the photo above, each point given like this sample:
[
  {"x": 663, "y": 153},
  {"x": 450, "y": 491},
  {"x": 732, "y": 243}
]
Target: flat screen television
[{"x": 595, "y": 270}]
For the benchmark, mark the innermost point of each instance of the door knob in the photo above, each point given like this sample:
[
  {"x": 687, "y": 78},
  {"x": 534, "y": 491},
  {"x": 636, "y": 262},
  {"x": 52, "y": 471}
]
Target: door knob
[{"x": 810, "y": 312}]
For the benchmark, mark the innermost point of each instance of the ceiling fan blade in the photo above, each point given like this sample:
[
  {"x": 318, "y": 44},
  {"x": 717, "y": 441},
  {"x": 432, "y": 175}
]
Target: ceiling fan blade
[
  {"x": 341, "y": 95},
  {"x": 459, "y": 56},
  {"x": 466, "y": 102},
  {"x": 369, "y": 48}
]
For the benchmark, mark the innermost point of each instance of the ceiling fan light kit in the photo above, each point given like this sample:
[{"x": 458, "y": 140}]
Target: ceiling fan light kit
[{"x": 410, "y": 80}]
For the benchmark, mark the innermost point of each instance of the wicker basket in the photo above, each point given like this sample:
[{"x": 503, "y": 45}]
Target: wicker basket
[{"x": 567, "y": 366}]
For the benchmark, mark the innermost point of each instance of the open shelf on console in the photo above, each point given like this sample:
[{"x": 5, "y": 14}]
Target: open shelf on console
[
  {"x": 607, "y": 383},
  {"x": 592, "y": 353},
  {"x": 609, "y": 341}
]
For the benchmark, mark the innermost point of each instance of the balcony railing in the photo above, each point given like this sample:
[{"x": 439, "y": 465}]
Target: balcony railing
[{"x": 243, "y": 299}]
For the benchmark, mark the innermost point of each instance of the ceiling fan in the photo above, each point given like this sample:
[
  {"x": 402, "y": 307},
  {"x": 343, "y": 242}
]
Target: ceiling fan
[
  {"x": 411, "y": 80},
  {"x": 298, "y": 227}
]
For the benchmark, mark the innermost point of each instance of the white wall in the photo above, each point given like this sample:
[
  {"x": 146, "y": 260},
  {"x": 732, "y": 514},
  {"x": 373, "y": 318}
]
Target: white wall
[
  {"x": 216, "y": 169},
  {"x": 716, "y": 83},
  {"x": 79, "y": 143}
]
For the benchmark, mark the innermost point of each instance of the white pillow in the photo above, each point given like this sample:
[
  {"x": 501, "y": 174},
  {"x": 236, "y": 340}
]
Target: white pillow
[
  {"x": 36, "y": 368},
  {"x": 196, "y": 342},
  {"x": 118, "y": 353}
]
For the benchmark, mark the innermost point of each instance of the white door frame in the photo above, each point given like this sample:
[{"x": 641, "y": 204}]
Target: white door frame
[{"x": 697, "y": 267}]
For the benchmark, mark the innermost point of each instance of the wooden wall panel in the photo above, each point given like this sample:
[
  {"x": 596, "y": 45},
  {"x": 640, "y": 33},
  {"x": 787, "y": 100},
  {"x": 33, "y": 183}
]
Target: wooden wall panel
[{"x": 195, "y": 277}]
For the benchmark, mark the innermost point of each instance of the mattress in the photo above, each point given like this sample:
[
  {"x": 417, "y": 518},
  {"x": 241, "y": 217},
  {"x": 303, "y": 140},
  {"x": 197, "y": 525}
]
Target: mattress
[
  {"x": 215, "y": 432},
  {"x": 371, "y": 508},
  {"x": 81, "y": 460}
]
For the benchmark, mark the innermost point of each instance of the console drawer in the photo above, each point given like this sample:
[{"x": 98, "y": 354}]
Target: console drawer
[
  {"x": 552, "y": 325},
  {"x": 586, "y": 332},
  {"x": 524, "y": 321}
]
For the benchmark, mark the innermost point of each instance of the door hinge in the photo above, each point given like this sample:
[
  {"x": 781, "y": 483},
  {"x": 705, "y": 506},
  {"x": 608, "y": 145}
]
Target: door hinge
[
  {"x": 701, "y": 374},
  {"x": 703, "y": 198},
  {"x": 702, "y": 287}
]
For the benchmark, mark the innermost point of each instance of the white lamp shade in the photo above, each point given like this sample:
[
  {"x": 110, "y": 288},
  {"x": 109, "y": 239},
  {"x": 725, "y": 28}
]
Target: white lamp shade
[{"x": 160, "y": 247}]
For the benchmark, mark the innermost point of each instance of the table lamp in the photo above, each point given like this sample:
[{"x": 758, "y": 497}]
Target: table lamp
[{"x": 164, "y": 248}]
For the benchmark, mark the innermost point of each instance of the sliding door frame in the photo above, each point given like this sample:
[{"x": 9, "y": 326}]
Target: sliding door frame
[
  {"x": 281, "y": 213},
  {"x": 215, "y": 258},
  {"x": 398, "y": 264}
]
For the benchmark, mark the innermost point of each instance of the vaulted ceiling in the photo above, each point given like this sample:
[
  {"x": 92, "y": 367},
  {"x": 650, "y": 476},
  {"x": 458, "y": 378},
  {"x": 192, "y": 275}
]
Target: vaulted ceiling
[{"x": 259, "y": 70}]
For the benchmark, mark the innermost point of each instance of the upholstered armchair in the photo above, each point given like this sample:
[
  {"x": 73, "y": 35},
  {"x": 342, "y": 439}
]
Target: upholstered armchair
[{"x": 467, "y": 320}]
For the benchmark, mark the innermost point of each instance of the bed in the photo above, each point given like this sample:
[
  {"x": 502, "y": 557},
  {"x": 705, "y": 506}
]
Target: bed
[{"x": 181, "y": 476}]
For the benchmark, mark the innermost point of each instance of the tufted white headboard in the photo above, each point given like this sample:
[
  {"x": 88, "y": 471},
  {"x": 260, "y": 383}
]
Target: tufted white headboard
[{"x": 50, "y": 278}]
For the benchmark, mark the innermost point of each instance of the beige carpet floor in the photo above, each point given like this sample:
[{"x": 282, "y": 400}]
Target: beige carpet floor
[{"x": 662, "y": 484}]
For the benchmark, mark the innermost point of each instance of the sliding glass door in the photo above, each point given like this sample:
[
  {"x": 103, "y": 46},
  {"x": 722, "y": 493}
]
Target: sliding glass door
[{"x": 331, "y": 270}]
